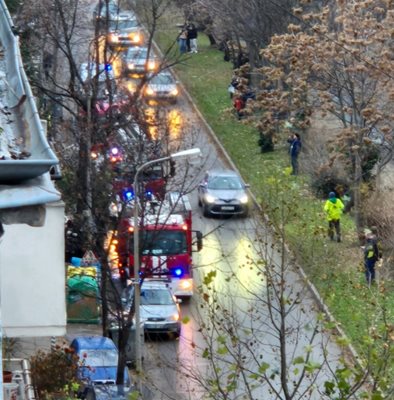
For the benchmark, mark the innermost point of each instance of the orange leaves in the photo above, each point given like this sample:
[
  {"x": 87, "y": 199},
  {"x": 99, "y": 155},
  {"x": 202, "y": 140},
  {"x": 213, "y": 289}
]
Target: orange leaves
[{"x": 294, "y": 28}]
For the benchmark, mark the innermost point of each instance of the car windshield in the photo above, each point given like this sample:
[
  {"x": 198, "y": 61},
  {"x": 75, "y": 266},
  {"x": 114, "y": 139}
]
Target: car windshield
[
  {"x": 124, "y": 25},
  {"x": 156, "y": 297},
  {"x": 137, "y": 53},
  {"x": 162, "y": 79},
  {"x": 224, "y": 183},
  {"x": 161, "y": 243},
  {"x": 153, "y": 173},
  {"x": 99, "y": 357}
]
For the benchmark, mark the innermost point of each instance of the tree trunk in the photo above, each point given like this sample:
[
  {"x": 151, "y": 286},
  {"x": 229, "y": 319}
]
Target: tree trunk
[{"x": 356, "y": 192}]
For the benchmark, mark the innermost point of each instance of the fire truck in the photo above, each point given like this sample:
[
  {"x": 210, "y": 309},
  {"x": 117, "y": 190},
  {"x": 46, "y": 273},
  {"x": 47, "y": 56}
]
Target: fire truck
[{"x": 166, "y": 240}]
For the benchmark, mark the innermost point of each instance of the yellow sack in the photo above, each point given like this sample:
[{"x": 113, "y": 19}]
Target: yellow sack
[{"x": 87, "y": 271}]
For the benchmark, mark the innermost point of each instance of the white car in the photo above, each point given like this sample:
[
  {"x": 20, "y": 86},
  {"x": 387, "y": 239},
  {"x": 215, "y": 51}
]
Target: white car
[
  {"x": 137, "y": 60},
  {"x": 125, "y": 31},
  {"x": 159, "y": 308},
  {"x": 162, "y": 86}
]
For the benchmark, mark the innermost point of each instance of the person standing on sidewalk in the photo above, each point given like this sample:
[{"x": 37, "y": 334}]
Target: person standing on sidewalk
[{"x": 333, "y": 208}]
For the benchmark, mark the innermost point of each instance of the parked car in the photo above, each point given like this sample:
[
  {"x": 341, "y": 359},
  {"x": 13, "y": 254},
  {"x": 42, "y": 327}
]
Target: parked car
[
  {"x": 125, "y": 31},
  {"x": 107, "y": 392},
  {"x": 91, "y": 70},
  {"x": 222, "y": 192},
  {"x": 136, "y": 60},
  {"x": 100, "y": 11},
  {"x": 162, "y": 86},
  {"x": 98, "y": 357},
  {"x": 159, "y": 310}
]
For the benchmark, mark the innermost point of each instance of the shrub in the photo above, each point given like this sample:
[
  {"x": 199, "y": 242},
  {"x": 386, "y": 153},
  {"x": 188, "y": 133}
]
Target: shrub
[{"x": 55, "y": 372}]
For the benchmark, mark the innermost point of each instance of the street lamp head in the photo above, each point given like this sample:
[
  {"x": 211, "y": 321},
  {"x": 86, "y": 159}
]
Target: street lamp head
[{"x": 187, "y": 153}]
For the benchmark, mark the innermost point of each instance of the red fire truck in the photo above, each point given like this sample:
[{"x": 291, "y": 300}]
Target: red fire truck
[{"x": 167, "y": 242}]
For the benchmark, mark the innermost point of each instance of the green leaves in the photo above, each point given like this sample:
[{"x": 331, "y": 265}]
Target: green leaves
[{"x": 209, "y": 278}]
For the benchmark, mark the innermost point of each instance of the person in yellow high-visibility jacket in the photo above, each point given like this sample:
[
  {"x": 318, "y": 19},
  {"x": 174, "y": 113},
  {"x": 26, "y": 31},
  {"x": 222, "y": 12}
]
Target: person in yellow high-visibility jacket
[{"x": 333, "y": 208}]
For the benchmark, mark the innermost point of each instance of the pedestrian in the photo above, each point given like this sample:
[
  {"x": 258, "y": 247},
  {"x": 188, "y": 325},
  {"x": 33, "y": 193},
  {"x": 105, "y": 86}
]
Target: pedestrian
[
  {"x": 371, "y": 255},
  {"x": 294, "y": 151},
  {"x": 191, "y": 37},
  {"x": 182, "y": 38},
  {"x": 239, "y": 105},
  {"x": 333, "y": 209},
  {"x": 233, "y": 86}
]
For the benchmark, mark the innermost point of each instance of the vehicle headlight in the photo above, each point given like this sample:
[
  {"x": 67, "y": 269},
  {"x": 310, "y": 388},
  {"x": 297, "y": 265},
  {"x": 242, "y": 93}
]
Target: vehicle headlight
[
  {"x": 244, "y": 199},
  {"x": 173, "y": 317},
  {"x": 209, "y": 198},
  {"x": 151, "y": 65},
  {"x": 186, "y": 284},
  {"x": 136, "y": 38},
  {"x": 114, "y": 38},
  {"x": 174, "y": 92},
  {"x": 149, "y": 91}
]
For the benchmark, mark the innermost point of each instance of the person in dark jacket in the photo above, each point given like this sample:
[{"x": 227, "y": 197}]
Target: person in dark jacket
[
  {"x": 192, "y": 34},
  {"x": 294, "y": 151},
  {"x": 371, "y": 255}
]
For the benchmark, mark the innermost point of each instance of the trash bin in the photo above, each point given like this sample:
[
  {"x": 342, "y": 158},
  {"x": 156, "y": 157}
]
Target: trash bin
[{"x": 83, "y": 299}]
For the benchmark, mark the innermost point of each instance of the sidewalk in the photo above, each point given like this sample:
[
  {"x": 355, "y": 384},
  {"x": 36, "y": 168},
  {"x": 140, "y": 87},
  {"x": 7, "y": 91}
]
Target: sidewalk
[{"x": 27, "y": 346}]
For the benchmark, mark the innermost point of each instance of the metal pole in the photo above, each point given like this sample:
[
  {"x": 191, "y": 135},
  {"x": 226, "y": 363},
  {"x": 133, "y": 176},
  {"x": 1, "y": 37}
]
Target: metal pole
[{"x": 137, "y": 287}]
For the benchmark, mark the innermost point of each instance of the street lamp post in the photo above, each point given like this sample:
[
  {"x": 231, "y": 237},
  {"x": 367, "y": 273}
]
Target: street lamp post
[{"x": 181, "y": 154}]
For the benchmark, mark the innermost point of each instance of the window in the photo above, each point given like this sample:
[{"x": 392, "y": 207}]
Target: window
[
  {"x": 161, "y": 243},
  {"x": 99, "y": 357},
  {"x": 156, "y": 297}
]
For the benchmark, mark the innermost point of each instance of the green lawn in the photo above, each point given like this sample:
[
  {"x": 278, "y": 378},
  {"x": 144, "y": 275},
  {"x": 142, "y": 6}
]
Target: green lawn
[{"x": 335, "y": 269}]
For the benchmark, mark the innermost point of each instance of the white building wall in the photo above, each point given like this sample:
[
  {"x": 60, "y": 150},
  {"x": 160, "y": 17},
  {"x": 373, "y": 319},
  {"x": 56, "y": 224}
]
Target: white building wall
[{"x": 32, "y": 273}]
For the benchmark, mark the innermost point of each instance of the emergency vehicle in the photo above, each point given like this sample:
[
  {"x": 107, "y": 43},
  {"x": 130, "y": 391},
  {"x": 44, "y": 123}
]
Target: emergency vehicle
[{"x": 166, "y": 240}]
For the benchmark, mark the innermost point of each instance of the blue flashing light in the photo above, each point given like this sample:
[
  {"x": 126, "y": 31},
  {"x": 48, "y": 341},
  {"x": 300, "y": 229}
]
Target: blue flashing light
[
  {"x": 178, "y": 272},
  {"x": 108, "y": 67},
  {"x": 128, "y": 194}
]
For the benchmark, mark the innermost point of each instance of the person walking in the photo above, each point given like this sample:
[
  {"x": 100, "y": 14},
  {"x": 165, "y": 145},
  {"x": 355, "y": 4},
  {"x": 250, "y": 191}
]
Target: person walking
[
  {"x": 333, "y": 208},
  {"x": 294, "y": 151},
  {"x": 371, "y": 255},
  {"x": 191, "y": 37}
]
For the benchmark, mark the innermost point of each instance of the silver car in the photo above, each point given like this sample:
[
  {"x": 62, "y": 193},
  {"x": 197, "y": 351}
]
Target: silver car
[
  {"x": 162, "y": 86},
  {"x": 125, "y": 31},
  {"x": 136, "y": 60},
  {"x": 159, "y": 308},
  {"x": 222, "y": 192}
]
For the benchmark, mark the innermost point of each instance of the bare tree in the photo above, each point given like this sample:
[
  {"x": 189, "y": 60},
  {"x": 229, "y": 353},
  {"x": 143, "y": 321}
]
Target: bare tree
[
  {"x": 342, "y": 69},
  {"x": 64, "y": 36}
]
